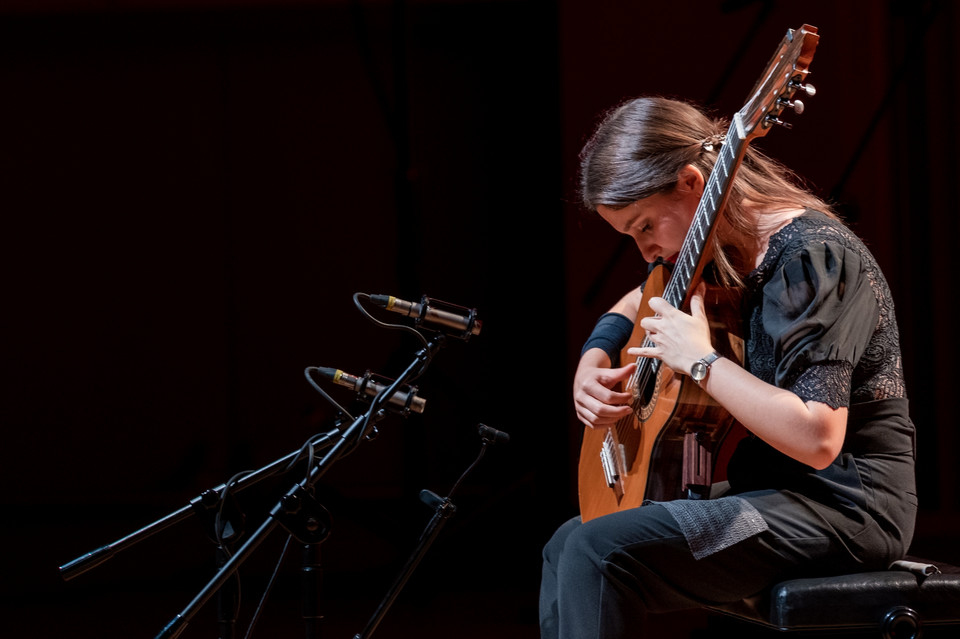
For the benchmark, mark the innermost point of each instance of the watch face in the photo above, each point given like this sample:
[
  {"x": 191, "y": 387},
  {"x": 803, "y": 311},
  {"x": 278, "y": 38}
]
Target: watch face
[{"x": 698, "y": 371}]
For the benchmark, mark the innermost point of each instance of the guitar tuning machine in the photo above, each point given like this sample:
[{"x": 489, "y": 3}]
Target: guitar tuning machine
[
  {"x": 797, "y": 85},
  {"x": 794, "y": 85},
  {"x": 796, "y": 105},
  {"x": 771, "y": 120}
]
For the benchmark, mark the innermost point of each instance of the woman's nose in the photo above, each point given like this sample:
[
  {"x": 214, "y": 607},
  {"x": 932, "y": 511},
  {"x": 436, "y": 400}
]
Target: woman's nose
[{"x": 646, "y": 249}]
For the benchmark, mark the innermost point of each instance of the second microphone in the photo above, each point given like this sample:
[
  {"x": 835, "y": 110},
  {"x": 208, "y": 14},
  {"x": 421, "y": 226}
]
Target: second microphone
[{"x": 403, "y": 399}]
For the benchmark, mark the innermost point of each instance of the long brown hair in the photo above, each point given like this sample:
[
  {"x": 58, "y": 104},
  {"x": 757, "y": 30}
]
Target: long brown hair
[{"x": 640, "y": 146}]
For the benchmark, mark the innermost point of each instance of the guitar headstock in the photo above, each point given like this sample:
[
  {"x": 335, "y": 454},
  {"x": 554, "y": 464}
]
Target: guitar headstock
[{"x": 783, "y": 76}]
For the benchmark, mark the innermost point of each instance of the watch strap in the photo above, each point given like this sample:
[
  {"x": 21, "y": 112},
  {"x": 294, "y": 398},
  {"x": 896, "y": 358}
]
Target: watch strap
[{"x": 710, "y": 359}]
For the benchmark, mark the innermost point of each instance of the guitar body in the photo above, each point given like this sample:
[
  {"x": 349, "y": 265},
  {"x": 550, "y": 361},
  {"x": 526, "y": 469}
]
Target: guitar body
[{"x": 666, "y": 447}]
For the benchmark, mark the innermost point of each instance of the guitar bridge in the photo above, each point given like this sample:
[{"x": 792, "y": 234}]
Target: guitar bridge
[{"x": 612, "y": 456}]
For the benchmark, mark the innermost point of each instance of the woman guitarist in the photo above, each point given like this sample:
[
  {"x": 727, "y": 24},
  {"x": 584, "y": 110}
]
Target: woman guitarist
[{"x": 823, "y": 483}]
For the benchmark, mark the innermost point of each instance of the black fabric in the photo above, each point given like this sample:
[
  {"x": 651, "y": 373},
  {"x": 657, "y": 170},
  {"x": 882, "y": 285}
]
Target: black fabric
[{"x": 821, "y": 322}]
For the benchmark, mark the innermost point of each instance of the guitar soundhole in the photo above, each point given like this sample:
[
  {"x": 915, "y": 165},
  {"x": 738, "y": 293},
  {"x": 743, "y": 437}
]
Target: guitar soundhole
[{"x": 647, "y": 394}]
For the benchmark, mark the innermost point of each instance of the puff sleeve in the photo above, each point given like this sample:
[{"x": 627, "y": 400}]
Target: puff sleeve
[{"x": 820, "y": 310}]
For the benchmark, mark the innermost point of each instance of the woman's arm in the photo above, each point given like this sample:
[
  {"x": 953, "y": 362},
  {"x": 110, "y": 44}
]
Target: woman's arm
[
  {"x": 595, "y": 398},
  {"x": 810, "y": 432}
]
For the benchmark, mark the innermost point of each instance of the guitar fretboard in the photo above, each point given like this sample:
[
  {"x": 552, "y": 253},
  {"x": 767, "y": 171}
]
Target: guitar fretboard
[{"x": 714, "y": 194}]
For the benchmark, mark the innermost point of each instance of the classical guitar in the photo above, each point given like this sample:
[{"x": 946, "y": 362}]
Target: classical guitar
[{"x": 667, "y": 448}]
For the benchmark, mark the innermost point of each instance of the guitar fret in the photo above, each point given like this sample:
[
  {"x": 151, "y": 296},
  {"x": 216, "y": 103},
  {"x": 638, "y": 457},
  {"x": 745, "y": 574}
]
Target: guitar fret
[
  {"x": 701, "y": 236},
  {"x": 724, "y": 164}
]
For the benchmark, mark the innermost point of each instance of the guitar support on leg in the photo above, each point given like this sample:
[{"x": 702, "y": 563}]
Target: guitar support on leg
[{"x": 697, "y": 464}]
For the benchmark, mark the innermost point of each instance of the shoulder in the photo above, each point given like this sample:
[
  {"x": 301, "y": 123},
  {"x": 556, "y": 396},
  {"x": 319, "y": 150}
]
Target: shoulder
[{"x": 812, "y": 234}]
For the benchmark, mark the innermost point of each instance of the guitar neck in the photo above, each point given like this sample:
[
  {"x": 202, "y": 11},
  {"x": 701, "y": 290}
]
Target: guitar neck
[{"x": 690, "y": 261}]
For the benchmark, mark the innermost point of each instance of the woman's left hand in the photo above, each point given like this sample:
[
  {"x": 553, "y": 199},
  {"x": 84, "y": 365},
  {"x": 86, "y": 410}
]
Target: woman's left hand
[{"x": 676, "y": 338}]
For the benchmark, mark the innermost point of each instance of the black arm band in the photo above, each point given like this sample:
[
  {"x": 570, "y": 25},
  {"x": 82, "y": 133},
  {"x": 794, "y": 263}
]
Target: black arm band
[{"x": 610, "y": 333}]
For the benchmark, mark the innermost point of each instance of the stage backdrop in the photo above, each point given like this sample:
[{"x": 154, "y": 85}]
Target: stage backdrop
[{"x": 194, "y": 192}]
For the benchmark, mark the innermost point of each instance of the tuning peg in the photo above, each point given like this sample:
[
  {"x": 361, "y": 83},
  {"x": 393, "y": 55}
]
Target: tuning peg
[
  {"x": 770, "y": 120},
  {"x": 809, "y": 89},
  {"x": 796, "y": 105}
]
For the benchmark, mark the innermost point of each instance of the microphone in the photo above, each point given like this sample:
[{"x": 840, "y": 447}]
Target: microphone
[
  {"x": 491, "y": 435},
  {"x": 403, "y": 399},
  {"x": 429, "y": 311}
]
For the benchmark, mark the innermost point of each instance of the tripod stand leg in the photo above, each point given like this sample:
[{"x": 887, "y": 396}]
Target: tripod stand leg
[
  {"x": 227, "y": 600},
  {"x": 312, "y": 582}
]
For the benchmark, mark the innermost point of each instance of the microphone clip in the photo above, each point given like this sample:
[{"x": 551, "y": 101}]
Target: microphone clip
[{"x": 403, "y": 401}]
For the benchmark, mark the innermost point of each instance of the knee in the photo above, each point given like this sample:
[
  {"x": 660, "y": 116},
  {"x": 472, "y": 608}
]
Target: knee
[
  {"x": 554, "y": 548},
  {"x": 583, "y": 548}
]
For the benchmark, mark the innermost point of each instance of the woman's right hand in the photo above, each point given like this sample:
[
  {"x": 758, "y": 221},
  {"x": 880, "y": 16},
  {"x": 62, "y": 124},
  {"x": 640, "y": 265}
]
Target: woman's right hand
[{"x": 597, "y": 402}]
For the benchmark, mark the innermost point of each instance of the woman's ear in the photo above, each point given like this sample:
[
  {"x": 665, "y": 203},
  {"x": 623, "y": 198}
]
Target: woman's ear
[{"x": 690, "y": 180}]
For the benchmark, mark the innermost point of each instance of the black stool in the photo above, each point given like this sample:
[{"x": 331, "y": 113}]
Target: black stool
[{"x": 899, "y": 603}]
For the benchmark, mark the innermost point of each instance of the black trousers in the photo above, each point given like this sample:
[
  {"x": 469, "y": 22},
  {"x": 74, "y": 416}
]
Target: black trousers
[{"x": 602, "y": 578}]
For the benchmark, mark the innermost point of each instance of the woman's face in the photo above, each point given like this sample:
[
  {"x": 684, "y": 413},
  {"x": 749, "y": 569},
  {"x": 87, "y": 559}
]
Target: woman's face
[{"x": 659, "y": 223}]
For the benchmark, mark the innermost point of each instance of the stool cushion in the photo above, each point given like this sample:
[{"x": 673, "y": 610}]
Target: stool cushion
[{"x": 860, "y": 600}]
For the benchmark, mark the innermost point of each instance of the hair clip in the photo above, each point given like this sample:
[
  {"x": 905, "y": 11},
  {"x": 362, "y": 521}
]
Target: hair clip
[{"x": 707, "y": 144}]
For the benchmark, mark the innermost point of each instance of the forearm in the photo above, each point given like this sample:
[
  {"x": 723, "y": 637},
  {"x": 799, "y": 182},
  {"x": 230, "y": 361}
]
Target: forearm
[{"x": 809, "y": 432}]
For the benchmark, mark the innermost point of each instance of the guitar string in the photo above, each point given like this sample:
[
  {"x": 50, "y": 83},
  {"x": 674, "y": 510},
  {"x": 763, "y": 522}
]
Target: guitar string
[{"x": 646, "y": 371}]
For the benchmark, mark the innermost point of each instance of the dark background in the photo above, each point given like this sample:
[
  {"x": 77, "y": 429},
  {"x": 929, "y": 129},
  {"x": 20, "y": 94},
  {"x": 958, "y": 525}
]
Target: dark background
[{"x": 193, "y": 192}]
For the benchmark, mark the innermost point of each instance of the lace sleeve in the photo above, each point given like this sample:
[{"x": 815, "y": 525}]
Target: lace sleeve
[{"x": 828, "y": 382}]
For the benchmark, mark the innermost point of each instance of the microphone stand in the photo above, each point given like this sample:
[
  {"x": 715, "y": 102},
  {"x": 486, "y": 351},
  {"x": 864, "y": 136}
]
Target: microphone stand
[
  {"x": 199, "y": 505},
  {"x": 443, "y": 510},
  {"x": 298, "y": 511},
  {"x": 203, "y": 505}
]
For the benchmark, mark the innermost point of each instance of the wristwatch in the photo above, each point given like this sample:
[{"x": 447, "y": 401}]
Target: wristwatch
[{"x": 700, "y": 367}]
